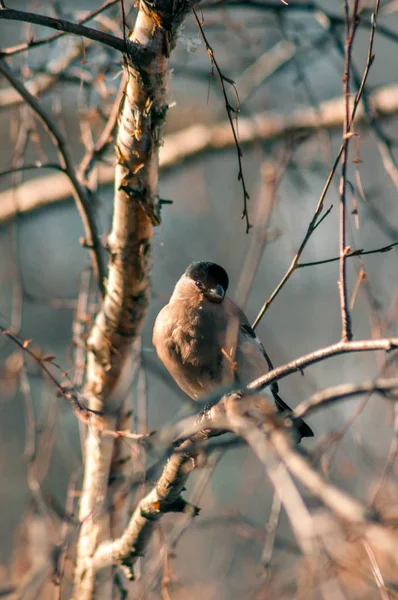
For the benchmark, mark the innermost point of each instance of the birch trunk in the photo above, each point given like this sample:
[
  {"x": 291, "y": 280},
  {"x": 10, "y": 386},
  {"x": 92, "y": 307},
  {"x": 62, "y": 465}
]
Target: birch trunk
[{"x": 118, "y": 324}]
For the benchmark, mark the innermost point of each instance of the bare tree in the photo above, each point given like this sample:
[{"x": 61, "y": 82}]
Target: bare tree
[{"x": 114, "y": 523}]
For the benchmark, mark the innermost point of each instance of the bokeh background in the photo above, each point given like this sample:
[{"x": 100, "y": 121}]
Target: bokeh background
[{"x": 42, "y": 267}]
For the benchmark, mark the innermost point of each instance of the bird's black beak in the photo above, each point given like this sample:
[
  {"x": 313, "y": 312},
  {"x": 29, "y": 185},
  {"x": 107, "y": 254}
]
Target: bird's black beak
[{"x": 215, "y": 294}]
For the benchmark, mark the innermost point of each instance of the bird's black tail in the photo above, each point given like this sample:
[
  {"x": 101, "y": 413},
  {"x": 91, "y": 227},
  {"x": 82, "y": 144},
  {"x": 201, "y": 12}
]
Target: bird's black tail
[{"x": 302, "y": 427}]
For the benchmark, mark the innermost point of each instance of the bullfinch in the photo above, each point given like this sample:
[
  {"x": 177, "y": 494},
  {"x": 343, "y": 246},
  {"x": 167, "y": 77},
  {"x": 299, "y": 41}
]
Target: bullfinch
[{"x": 206, "y": 342}]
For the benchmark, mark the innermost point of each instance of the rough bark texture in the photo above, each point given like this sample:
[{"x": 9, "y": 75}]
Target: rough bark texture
[{"x": 120, "y": 320}]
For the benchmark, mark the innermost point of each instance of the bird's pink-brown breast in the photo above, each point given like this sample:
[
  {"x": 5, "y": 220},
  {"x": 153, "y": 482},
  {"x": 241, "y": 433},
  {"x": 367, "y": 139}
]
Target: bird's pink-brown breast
[{"x": 192, "y": 342}]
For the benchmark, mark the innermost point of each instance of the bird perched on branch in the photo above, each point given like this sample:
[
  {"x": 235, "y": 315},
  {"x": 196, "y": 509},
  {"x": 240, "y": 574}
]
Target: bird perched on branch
[{"x": 206, "y": 342}]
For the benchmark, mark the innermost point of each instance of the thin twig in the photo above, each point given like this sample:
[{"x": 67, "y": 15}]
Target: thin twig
[
  {"x": 315, "y": 219},
  {"x": 346, "y": 331},
  {"x": 43, "y": 82},
  {"x": 111, "y": 41},
  {"x": 81, "y": 193},
  {"x": 349, "y": 254},
  {"x": 346, "y": 391},
  {"x": 191, "y": 141},
  {"x": 230, "y": 112},
  {"x": 37, "y": 165},
  {"x": 42, "y": 361},
  {"x": 377, "y": 574}
]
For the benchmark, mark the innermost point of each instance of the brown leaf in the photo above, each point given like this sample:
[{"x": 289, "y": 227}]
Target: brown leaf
[{"x": 48, "y": 358}]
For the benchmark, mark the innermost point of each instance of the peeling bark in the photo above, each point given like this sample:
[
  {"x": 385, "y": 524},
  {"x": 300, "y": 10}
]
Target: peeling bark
[{"x": 120, "y": 320}]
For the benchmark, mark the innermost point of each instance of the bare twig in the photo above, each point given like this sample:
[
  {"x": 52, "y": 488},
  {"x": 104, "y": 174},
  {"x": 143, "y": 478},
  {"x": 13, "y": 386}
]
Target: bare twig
[
  {"x": 346, "y": 331},
  {"x": 196, "y": 139},
  {"x": 378, "y": 577},
  {"x": 81, "y": 194},
  {"x": 350, "y": 510},
  {"x": 314, "y": 357},
  {"x": 271, "y": 528},
  {"x": 231, "y": 111},
  {"x": 349, "y": 254},
  {"x": 344, "y": 391},
  {"x": 31, "y": 167},
  {"x": 134, "y": 50},
  {"x": 348, "y": 121},
  {"x": 43, "y": 361},
  {"x": 42, "y": 82}
]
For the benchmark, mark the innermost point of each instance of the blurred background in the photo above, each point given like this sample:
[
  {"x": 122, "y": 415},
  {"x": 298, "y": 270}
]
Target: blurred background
[{"x": 285, "y": 60}]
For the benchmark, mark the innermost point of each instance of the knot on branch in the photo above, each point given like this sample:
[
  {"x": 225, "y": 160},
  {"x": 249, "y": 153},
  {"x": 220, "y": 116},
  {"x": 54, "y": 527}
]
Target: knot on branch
[{"x": 150, "y": 205}]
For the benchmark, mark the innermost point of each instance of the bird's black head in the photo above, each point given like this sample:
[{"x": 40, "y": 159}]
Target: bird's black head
[{"x": 209, "y": 278}]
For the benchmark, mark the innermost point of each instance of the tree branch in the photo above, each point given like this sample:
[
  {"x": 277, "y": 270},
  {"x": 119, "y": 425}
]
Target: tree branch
[
  {"x": 298, "y": 365},
  {"x": 253, "y": 419},
  {"x": 196, "y": 139},
  {"x": 80, "y": 192},
  {"x": 349, "y": 254},
  {"x": 344, "y": 391},
  {"x": 134, "y": 50},
  {"x": 41, "y": 83},
  {"x": 6, "y": 52},
  {"x": 351, "y": 27}
]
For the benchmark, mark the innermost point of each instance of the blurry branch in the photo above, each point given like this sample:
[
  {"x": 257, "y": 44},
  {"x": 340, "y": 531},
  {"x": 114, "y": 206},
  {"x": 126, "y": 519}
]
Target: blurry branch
[
  {"x": 349, "y": 390},
  {"x": 9, "y": 97},
  {"x": 40, "y": 551},
  {"x": 364, "y": 521},
  {"x": 253, "y": 419},
  {"x": 370, "y": 115},
  {"x": 81, "y": 194},
  {"x": 105, "y": 139},
  {"x": 263, "y": 67},
  {"x": 31, "y": 167},
  {"x": 377, "y": 575},
  {"x": 271, "y": 176},
  {"x": 197, "y": 139},
  {"x": 126, "y": 46},
  {"x": 5, "y": 52},
  {"x": 231, "y": 111},
  {"x": 242, "y": 416},
  {"x": 319, "y": 13},
  {"x": 119, "y": 322},
  {"x": 80, "y": 324}
]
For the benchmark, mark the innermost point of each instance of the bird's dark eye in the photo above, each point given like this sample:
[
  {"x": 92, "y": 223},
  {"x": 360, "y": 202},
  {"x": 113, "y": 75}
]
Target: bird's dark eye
[{"x": 199, "y": 284}]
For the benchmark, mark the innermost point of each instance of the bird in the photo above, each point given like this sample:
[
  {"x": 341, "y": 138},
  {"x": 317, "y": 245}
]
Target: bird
[{"x": 206, "y": 342}]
